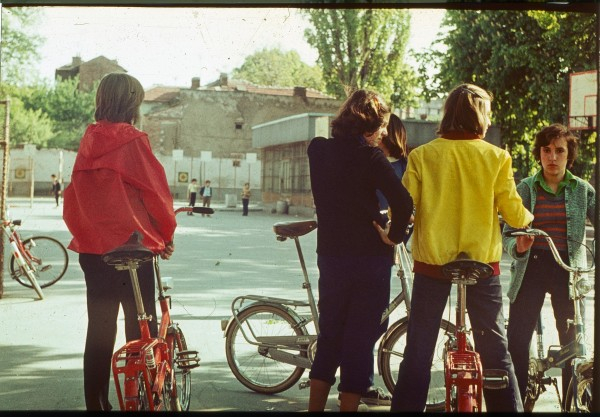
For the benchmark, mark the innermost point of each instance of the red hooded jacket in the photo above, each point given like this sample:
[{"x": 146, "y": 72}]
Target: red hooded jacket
[{"x": 117, "y": 186}]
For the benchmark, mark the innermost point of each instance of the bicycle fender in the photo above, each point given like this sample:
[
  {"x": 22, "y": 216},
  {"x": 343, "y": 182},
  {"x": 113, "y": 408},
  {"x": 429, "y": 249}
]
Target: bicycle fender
[
  {"x": 291, "y": 312},
  {"x": 384, "y": 338}
]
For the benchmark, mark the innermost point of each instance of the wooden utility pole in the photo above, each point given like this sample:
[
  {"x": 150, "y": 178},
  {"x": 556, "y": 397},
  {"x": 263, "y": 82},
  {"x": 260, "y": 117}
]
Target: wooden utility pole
[{"x": 4, "y": 182}]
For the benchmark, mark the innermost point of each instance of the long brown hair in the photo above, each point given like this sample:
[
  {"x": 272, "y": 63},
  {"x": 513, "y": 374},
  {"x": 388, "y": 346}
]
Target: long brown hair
[
  {"x": 395, "y": 141},
  {"x": 118, "y": 98},
  {"x": 466, "y": 111},
  {"x": 363, "y": 112}
]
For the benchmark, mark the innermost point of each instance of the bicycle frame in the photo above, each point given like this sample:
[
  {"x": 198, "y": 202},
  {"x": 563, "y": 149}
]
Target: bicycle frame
[
  {"x": 22, "y": 255},
  {"x": 278, "y": 347},
  {"x": 463, "y": 369},
  {"x": 152, "y": 357},
  {"x": 575, "y": 351}
]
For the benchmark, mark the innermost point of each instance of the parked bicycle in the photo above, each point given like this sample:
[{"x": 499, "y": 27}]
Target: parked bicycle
[
  {"x": 152, "y": 373},
  {"x": 579, "y": 394},
  {"x": 465, "y": 376},
  {"x": 36, "y": 262},
  {"x": 271, "y": 341}
]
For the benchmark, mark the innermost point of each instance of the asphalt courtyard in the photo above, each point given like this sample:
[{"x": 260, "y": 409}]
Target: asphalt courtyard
[{"x": 216, "y": 259}]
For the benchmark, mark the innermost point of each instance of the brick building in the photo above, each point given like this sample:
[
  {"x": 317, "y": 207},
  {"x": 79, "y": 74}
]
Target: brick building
[{"x": 89, "y": 71}]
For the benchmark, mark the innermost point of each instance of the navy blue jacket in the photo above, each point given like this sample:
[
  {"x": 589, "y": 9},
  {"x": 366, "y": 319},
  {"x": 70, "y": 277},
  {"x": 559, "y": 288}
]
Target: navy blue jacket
[{"x": 345, "y": 174}]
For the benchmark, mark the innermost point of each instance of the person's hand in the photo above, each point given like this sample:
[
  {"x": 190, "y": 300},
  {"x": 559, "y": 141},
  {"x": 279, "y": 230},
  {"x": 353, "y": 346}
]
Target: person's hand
[
  {"x": 168, "y": 251},
  {"x": 383, "y": 233},
  {"x": 524, "y": 243}
]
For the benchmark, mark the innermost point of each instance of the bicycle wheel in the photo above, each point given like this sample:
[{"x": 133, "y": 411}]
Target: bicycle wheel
[
  {"x": 393, "y": 351},
  {"x": 584, "y": 392},
  {"x": 182, "y": 376},
  {"x": 253, "y": 369},
  {"x": 49, "y": 261}
]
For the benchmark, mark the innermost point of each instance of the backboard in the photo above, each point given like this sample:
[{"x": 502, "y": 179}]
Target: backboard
[{"x": 583, "y": 92}]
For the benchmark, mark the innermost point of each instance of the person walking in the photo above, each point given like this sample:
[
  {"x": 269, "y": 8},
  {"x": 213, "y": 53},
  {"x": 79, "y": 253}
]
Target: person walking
[
  {"x": 193, "y": 189},
  {"x": 459, "y": 184},
  {"x": 117, "y": 187},
  {"x": 561, "y": 202},
  {"x": 206, "y": 193},
  {"x": 245, "y": 198},
  {"x": 354, "y": 260},
  {"x": 55, "y": 190}
]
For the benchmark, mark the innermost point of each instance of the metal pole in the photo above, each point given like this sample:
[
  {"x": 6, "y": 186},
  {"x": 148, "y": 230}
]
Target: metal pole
[
  {"x": 596, "y": 372},
  {"x": 5, "y": 162}
]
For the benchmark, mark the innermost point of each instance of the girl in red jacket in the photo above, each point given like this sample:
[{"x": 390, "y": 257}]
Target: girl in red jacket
[{"x": 117, "y": 186}]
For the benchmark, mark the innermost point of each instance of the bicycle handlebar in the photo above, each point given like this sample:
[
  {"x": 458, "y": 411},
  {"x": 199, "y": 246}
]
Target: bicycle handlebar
[{"x": 537, "y": 232}]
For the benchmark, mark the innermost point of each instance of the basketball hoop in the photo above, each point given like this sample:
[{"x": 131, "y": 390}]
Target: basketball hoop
[{"x": 583, "y": 93}]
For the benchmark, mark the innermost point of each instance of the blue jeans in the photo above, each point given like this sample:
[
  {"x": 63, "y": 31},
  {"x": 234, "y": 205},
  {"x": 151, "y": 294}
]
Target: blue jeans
[
  {"x": 484, "y": 305},
  {"x": 353, "y": 293}
]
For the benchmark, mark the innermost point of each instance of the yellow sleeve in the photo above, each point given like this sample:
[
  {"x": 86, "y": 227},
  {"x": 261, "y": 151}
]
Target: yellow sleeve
[{"x": 508, "y": 201}]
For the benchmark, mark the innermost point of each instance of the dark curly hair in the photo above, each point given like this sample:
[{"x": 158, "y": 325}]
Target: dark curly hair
[{"x": 555, "y": 131}]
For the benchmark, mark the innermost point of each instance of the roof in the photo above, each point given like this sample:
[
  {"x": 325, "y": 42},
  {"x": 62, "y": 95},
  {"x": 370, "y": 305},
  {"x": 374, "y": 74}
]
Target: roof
[
  {"x": 73, "y": 65},
  {"x": 243, "y": 85},
  {"x": 161, "y": 94}
]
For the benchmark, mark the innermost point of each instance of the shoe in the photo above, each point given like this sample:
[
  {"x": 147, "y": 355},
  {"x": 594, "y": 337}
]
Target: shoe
[{"x": 376, "y": 396}]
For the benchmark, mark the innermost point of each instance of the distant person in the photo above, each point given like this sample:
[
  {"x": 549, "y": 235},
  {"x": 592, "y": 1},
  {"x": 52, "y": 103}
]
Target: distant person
[
  {"x": 117, "y": 186},
  {"x": 206, "y": 192},
  {"x": 245, "y": 198},
  {"x": 193, "y": 189},
  {"x": 459, "y": 184},
  {"x": 561, "y": 202},
  {"x": 55, "y": 190},
  {"x": 354, "y": 260}
]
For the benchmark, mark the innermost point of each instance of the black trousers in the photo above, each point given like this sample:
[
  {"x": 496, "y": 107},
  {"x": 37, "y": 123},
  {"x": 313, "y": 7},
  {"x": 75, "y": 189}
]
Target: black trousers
[
  {"x": 543, "y": 275},
  {"x": 107, "y": 289}
]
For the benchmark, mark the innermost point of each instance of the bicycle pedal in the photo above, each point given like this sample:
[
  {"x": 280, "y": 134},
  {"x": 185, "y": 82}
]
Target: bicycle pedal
[
  {"x": 495, "y": 379},
  {"x": 187, "y": 359}
]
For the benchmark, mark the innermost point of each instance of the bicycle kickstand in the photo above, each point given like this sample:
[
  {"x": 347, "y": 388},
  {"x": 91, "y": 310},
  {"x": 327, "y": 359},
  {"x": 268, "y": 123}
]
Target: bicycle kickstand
[{"x": 555, "y": 383}]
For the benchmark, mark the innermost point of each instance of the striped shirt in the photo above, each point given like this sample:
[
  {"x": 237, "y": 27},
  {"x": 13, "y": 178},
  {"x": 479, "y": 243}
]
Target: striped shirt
[{"x": 550, "y": 215}]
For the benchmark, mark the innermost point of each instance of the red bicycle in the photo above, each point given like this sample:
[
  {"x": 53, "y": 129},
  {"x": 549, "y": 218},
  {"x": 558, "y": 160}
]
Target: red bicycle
[
  {"x": 152, "y": 373},
  {"x": 464, "y": 374}
]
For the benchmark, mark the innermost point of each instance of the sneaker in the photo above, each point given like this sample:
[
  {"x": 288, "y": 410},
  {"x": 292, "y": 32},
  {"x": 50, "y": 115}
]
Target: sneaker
[{"x": 376, "y": 396}]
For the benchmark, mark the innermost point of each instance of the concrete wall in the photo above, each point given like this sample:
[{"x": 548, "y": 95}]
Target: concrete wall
[
  {"x": 30, "y": 170},
  {"x": 221, "y": 121}
]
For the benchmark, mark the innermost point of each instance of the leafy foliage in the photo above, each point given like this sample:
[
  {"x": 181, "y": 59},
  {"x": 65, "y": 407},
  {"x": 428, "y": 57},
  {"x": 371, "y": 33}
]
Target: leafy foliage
[
  {"x": 524, "y": 58},
  {"x": 50, "y": 116},
  {"x": 19, "y": 46},
  {"x": 363, "y": 48},
  {"x": 273, "y": 67}
]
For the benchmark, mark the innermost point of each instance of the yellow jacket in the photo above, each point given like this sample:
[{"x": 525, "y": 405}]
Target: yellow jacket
[{"x": 458, "y": 187}]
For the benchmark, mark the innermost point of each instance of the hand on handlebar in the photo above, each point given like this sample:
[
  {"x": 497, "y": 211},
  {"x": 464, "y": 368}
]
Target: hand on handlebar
[
  {"x": 524, "y": 243},
  {"x": 168, "y": 251}
]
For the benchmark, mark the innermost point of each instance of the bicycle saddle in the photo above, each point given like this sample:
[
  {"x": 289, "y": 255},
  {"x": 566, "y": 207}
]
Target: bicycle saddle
[
  {"x": 132, "y": 250},
  {"x": 467, "y": 269},
  {"x": 294, "y": 229}
]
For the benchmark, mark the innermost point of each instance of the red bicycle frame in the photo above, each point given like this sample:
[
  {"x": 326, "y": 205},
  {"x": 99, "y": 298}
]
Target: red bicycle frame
[
  {"x": 463, "y": 368},
  {"x": 465, "y": 378},
  {"x": 146, "y": 365}
]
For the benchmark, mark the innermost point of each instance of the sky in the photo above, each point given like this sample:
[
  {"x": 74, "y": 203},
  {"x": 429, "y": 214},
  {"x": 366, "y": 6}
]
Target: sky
[{"x": 170, "y": 46}]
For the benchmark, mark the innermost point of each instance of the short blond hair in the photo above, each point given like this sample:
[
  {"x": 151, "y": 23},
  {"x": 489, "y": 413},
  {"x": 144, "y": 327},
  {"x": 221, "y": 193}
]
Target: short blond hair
[{"x": 118, "y": 98}]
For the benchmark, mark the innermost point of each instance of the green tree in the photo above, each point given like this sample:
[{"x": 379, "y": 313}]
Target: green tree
[
  {"x": 363, "y": 48},
  {"x": 524, "y": 58},
  {"x": 19, "y": 46},
  {"x": 69, "y": 108},
  {"x": 275, "y": 67}
]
